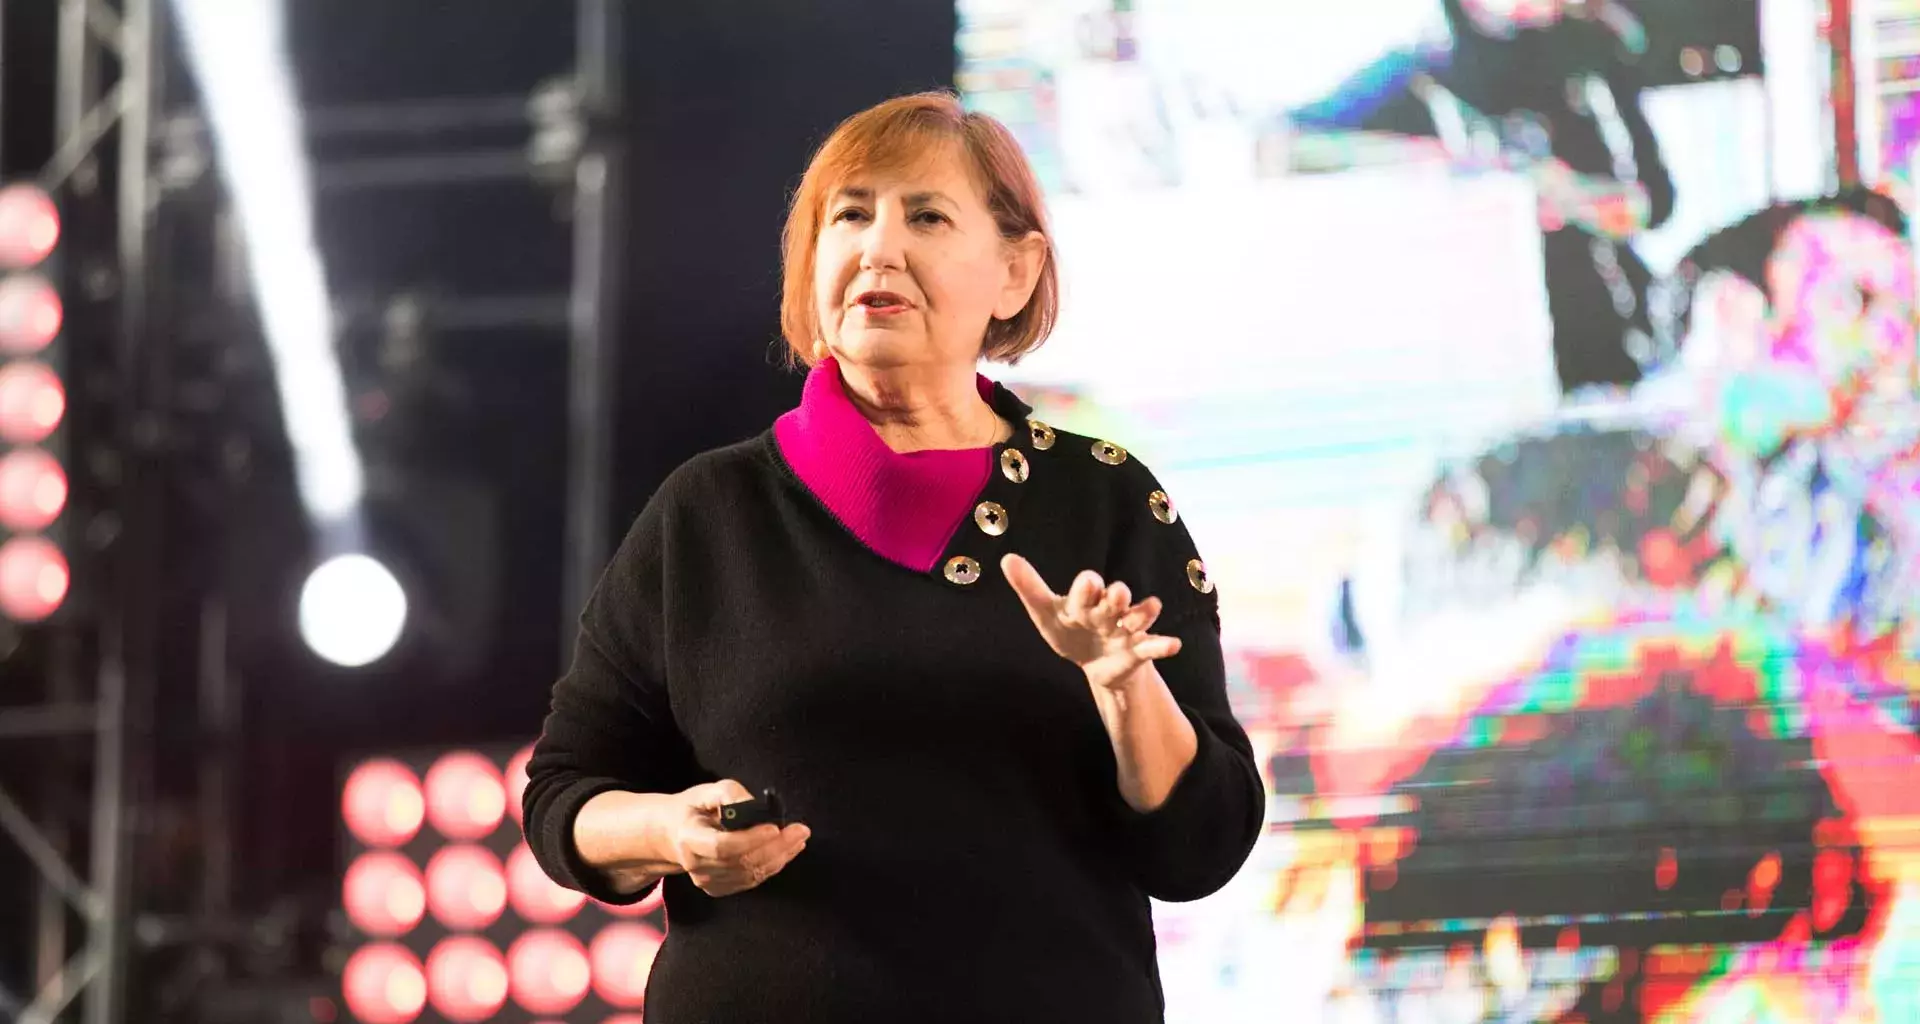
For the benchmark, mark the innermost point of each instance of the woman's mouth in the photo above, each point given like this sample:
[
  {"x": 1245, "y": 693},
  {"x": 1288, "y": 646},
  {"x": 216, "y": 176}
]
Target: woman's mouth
[{"x": 878, "y": 303}]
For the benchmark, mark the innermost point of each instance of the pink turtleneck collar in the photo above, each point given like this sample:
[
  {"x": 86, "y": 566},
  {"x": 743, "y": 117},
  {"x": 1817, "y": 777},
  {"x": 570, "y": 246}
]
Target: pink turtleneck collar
[{"x": 903, "y": 506}]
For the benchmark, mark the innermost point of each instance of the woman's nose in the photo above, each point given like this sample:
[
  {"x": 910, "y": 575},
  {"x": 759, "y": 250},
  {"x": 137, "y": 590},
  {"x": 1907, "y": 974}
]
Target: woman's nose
[{"x": 883, "y": 248}]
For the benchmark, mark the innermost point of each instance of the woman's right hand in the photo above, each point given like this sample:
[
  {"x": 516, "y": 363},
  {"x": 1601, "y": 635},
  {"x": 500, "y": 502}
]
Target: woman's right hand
[{"x": 722, "y": 863}]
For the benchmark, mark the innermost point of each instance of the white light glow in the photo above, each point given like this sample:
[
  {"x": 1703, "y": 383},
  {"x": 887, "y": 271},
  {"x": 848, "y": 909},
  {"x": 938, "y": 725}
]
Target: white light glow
[
  {"x": 352, "y": 611},
  {"x": 239, "y": 55}
]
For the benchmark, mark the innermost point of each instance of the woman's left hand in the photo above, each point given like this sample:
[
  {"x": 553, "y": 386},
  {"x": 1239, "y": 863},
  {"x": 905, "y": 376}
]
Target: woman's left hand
[{"x": 1094, "y": 625}]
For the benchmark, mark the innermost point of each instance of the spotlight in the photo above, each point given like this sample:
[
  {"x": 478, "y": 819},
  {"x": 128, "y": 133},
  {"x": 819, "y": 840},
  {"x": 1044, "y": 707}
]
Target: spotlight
[{"x": 352, "y": 610}]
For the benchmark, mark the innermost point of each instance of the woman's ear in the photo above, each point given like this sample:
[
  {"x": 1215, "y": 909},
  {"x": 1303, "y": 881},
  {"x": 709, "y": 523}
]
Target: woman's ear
[{"x": 1026, "y": 258}]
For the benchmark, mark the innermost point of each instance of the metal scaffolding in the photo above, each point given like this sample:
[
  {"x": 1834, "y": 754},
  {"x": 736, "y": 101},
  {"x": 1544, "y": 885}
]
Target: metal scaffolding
[
  {"x": 104, "y": 667},
  {"x": 98, "y": 120}
]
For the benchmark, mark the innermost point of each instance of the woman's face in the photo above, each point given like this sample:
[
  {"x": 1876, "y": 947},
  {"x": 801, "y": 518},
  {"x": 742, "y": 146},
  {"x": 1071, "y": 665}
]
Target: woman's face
[{"x": 909, "y": 268}]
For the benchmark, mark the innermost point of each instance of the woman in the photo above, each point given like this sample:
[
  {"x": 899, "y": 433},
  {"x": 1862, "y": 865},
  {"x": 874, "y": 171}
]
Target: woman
[{"x": 986, "y": 780}]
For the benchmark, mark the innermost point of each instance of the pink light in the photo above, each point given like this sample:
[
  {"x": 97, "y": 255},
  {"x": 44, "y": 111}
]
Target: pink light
[
  {"x": 33, "y": 490},
  {"x": 466, "y": 887},
  {"x": 535, "y": 897},
  {"x": 33, "y": 578},
  {"x": 622, "y": 956},
  {"x": 32, "y": 403},
  {"x": 30, "y": 315},
  {"x": 383, "y": 984},
  {"x": 29, "y": 226},
  {"x": 466, "y": 797},
  {"x": 549, "y": 971},
  {"x": 383, "y": 894},
  {"x": 466, "y": 979},
  {"x": 382, "y": 803}
]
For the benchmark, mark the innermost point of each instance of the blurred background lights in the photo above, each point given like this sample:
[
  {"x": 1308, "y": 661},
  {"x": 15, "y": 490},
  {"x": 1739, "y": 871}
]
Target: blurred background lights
[
  {"x": 536, "y": 897},
  {"x": 384, "y": 984},
  {"x": 33, "y": 578},
  {"x": 382, "y": 803},
  {"x": 32, "y": 402},
  {"x": 384, "y": 895},
  {"x": 466, "y": 979},
  {"x": 29, "y": 226},
  {"x": 31, "y": 314},
  {"x": 466, "y": 797},
  {"x": 466, "y": 887},
  {"x": 549, "y": 971}
]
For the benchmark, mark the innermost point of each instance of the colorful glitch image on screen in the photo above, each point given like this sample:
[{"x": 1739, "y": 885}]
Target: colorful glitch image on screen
[{"x": 1548, "y": 416}]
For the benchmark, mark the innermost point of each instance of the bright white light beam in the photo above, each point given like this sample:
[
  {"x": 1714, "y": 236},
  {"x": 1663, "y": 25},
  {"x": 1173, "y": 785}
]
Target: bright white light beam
[{"x": 238, "y": 53}]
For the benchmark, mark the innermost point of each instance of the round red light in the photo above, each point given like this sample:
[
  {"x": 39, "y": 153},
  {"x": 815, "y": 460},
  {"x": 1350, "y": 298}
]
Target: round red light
[
  {"x": 33, "y": 490},
  {"x": 466, "y": 797},
  {"x": 383, "y": 984},
  {"x": 32, "y": 402},
  {"x": 383, "y": 894},
  {"x": 535, "y": 897},
  {"x": 549, "y": 971},
  {"x": 30, "y": 315},
  {"x": 33, "y": 578},
  {"x": 29, "y": 226},
  {"x": 517, "y": 782},
  {"x": 622, "y": 957},
  {"x": 466, "y": 887},
  {"x": 466, "y": 979},
  {"x": 382, "y": 803}
]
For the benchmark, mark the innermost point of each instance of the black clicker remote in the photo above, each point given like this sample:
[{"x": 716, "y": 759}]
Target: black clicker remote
[{"x": 744, "y": 815}]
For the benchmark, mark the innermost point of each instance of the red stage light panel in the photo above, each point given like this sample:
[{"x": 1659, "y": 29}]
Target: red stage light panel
[
  {"x": 466, "y": 797},
  {"x": 535, "y": 897},
  {"x": 548, "y": 971},
  {"x": 466, "y": 887},
  {"x": 384, "y": 984},
  {"x": 32, "y": 402},
  {"x": 384, "y": 894},
  {"x": 622, "y": 956},
  {"x": 33, "y": 490},
  {"x": 382, "y": 803},
  {"x": 33, "y": 578},
  {"x": 466, "y": 979},
  {"x": 29, "y": 226},
  {"x": 30, "y": 315}
]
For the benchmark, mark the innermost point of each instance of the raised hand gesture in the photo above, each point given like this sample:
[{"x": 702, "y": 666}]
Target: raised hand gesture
[{"x": 1095, "y": 625}]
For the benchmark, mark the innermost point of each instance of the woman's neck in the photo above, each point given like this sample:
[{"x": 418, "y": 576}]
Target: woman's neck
[{"x": 920, "y": 409}]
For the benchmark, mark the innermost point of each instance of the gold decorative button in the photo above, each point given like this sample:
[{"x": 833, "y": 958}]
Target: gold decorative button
[
  {"x": 1109, "y": 453},
  {"x": 962, "y": 570},
  {"x": 1197, "y": 575},
  {"x": 1043, "y": 436},
  {"x": 991, "y": 517},
  {"x": 1014, "y": 465},
  {"x": 1162, "y": 507}
]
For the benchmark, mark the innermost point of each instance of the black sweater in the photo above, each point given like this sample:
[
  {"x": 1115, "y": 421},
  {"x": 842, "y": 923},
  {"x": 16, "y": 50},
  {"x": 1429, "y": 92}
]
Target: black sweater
[{"x": 971, "y": 856}]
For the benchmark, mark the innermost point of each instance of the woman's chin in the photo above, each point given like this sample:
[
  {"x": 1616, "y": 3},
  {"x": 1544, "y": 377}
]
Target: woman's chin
[{"x": 879, "y": 349}]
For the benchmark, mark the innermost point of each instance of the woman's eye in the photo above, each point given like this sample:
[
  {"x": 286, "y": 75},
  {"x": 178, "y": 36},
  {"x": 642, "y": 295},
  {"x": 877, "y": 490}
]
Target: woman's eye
[
  {"x": 929, "y": 217},
  {"x": 851, "y": 213}
]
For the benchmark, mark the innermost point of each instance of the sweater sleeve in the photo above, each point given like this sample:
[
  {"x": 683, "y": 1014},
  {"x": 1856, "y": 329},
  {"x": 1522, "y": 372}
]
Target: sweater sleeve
[
  {"x": 610, "y": 726},
  {"x": 1194, "y": 843}
]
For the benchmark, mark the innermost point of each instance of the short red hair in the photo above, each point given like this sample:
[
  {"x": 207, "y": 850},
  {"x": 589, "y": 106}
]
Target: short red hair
[{"x": 897, "y": 135}]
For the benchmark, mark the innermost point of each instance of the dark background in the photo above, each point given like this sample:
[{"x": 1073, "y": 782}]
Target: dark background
[{"x": 465, "y": 438}]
